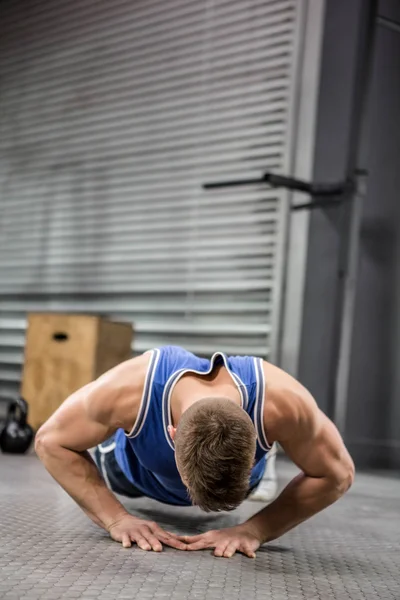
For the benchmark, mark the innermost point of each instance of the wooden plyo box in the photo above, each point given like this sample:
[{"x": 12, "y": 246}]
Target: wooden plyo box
[{"x": 65, "y": 352}]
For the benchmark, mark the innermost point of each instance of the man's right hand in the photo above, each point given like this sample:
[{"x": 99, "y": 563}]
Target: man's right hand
[{"x": 146, "y": 534}]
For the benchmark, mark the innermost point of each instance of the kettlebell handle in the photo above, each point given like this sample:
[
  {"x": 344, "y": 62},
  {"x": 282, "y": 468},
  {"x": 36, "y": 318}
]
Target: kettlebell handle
[{"x": 18, "y": 410}]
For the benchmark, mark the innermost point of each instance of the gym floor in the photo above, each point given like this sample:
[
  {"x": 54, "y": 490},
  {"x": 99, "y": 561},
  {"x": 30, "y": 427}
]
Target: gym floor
[{"x": 50, "y": 550}]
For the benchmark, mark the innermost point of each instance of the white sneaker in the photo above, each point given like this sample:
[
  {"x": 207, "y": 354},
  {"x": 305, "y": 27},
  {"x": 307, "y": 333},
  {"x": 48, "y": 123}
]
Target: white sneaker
[{"x": 267, "y": 489}]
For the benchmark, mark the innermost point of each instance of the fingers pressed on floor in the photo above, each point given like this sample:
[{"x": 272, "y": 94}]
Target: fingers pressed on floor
[
  {"x": 168, "y": 538},
  {"x": 154, "y": 542},
  {"x": 143, "y": 543},
  {"x": 200, "y": 545},
  {"x": 230, "y": 549},
  {"x": 173, "y": 543},
  {"x": 219, "y": 550},
  {"x": 247, "y": 551},
  {"x": 126, "y": 540}
]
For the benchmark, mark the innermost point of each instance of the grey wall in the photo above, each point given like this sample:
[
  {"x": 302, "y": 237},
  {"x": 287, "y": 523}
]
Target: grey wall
[
  {"x": 345, "y": 37},
  {"x": 349, "y": 137},
  {"x": 373, "y": 420}
]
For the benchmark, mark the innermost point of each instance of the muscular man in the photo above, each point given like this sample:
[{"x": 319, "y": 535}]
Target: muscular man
[{"x": 185, "y": 430}]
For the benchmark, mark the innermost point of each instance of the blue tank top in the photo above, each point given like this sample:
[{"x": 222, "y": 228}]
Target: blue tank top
[{"x": 146, "y": 454}]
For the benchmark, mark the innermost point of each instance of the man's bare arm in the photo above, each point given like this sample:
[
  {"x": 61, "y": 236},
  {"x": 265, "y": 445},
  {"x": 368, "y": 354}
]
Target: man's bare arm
[
  {"x": 86, "y": 419},
  {"x": 314, "y": 444}
]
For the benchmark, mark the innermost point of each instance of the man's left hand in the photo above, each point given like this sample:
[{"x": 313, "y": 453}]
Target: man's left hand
[{"x": 225, "y": 541}]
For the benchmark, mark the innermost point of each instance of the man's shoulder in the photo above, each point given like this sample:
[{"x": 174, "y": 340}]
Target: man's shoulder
[
  {"x": 285, "y": 401},
  {"x": 131, "y": 372},
  {"x": 280, "y": 383},
  {"x": 122, "y": 386}
]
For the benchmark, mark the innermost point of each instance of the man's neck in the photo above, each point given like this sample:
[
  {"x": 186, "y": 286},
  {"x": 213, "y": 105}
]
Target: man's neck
[{"x": 192, "y": 387}]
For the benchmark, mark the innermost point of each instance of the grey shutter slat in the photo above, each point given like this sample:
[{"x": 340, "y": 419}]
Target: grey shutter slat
[{"x": 112, "y": 117}]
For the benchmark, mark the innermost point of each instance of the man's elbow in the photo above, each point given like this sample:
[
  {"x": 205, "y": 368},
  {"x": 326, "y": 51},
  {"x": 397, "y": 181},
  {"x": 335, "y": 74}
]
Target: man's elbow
[
  {"x": 45, "y": 443},
  {"x": 345, "y": 478}
]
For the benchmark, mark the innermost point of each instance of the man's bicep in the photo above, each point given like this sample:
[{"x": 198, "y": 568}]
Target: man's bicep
[
  {"x": 82, "y": 421},
  {"x": 318, "y": 450},
  {"x": 310, "y": 439}
]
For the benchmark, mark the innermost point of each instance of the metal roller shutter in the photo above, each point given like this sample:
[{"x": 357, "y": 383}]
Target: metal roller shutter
[{"x": 112, "y": 117}]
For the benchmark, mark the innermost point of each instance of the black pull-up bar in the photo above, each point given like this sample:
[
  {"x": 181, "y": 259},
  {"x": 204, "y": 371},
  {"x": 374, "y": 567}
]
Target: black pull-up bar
[{"x": 322, "y": 194}]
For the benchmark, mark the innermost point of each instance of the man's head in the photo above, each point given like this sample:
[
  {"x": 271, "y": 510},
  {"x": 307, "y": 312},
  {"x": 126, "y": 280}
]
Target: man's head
[{"x": 215, "y": 444}]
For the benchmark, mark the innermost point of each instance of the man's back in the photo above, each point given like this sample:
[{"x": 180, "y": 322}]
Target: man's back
[{"x": 155, "y": 474}]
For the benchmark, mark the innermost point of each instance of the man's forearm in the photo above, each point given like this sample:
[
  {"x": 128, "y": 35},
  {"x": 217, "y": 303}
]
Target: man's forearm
[
  {"x": 301, "y": 499},
  {"x": 78, "y": 475}
]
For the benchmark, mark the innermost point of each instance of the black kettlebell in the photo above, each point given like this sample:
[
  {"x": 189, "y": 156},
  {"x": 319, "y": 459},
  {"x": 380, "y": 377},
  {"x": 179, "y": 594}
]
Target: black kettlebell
[{"x": 16, "y": 435}]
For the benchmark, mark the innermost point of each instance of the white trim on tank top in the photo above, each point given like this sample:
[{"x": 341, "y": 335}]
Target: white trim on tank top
[
  {"x": 146, "y": 394},
  {"x": 260, "y": 399}
]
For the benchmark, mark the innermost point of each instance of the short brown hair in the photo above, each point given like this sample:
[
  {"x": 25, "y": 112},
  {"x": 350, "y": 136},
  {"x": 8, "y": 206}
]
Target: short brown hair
[{"x": 215, "y": 445}]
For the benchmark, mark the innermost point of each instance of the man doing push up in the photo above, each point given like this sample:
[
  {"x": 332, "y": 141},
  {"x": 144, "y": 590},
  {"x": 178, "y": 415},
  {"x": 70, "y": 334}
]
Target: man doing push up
[{"x": 186, "y": 430}]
